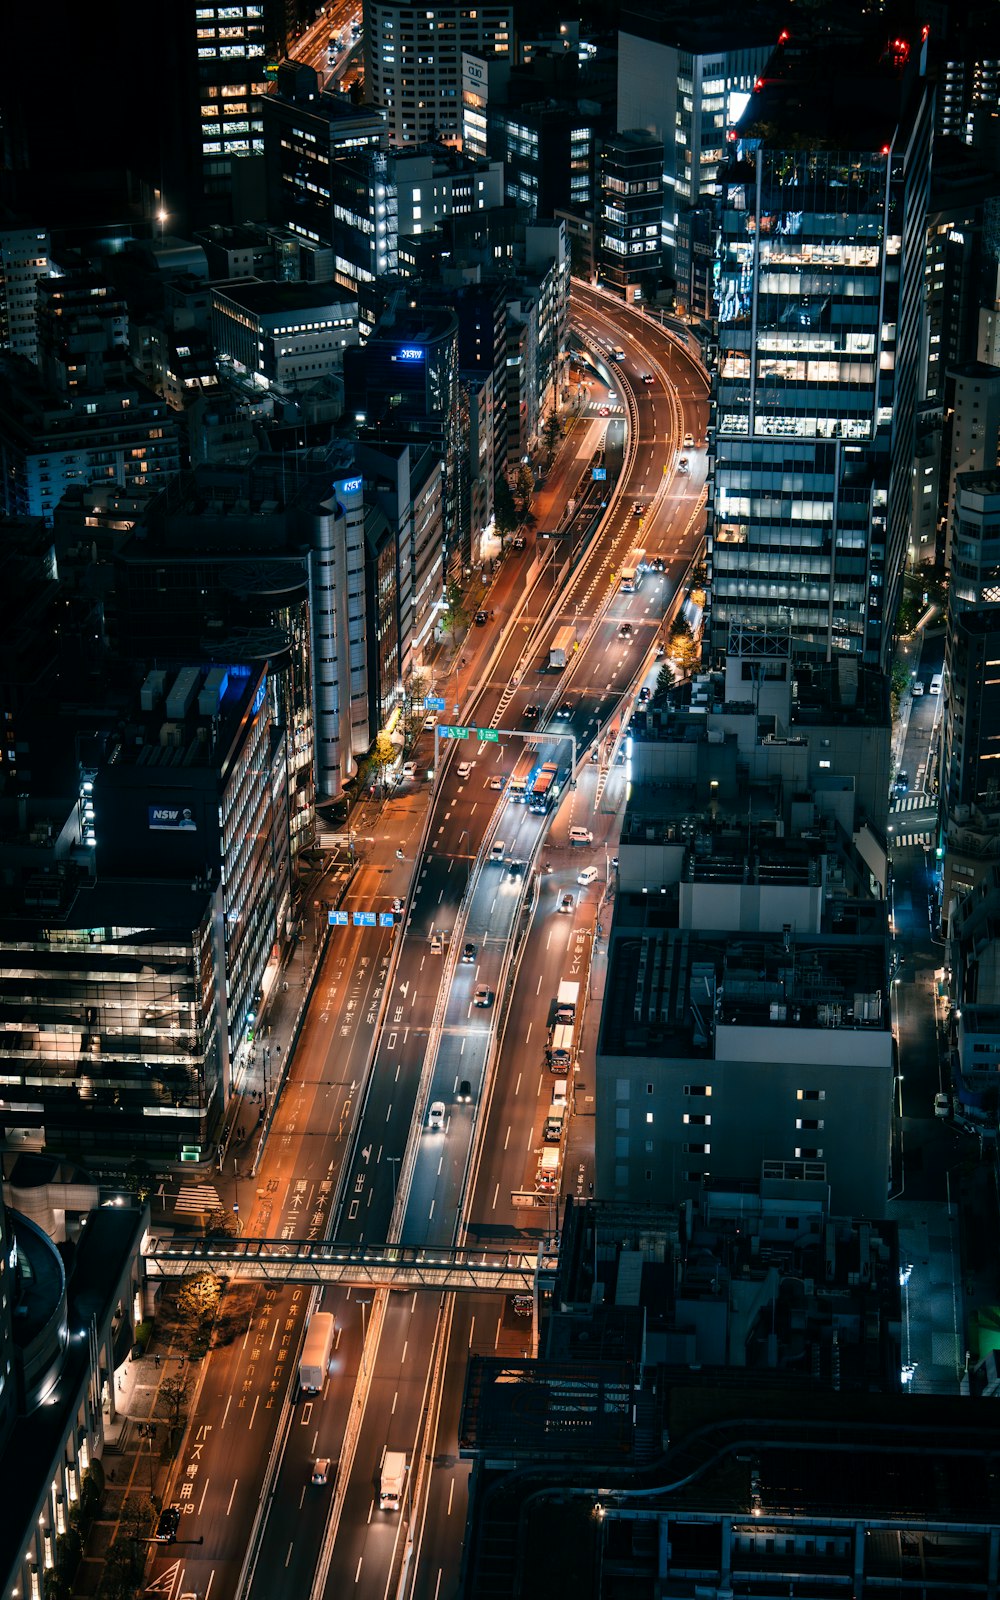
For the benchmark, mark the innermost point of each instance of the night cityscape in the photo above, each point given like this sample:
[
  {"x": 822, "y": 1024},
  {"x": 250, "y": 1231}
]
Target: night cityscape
[{"x": 499, "y": 839}]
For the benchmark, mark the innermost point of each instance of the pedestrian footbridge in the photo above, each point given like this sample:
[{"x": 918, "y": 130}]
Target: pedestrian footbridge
[{"x": 507, "y": 1269}]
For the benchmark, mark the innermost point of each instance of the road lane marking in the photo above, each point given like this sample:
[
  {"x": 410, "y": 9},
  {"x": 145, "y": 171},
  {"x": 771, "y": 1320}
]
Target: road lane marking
[
  {"x": 499, "y": 1326},
  {"x": 440, "y": 1165},
  {"x": 395, "y": 1397},
  {"x": 495, "y": 1195},
  {"x": 539, "y": 989},
  {"x": 507, "y": 1137},
  {"x": 253, "y": 1412},
  {"x": 289, "y": 1555},
  {"x": 518, "y": 1083},
  {"x": 471, "y": 1330},
  {"x": 225, "y": 1414},
  {"x": 232, "y": 1497},
  {"x": 528, "y": 1034},
  {"x": 430, "y": 1214},
  {"x": 357, "y": 1575}
]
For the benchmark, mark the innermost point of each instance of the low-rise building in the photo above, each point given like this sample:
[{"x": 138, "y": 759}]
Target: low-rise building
[{"x": 283, "y": 335}]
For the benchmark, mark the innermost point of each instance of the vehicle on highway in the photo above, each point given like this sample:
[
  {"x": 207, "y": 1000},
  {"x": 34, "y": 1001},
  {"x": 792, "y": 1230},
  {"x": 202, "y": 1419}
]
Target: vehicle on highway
[
  {"x": 530, "y": 713},
  {"x": 519, "y": 542},
  {"x": 430, "y": 722},
  {"x": 497, "y": 783},
  {"x": 632, "y": 571},
  {"x": 587, "y": 876},
  {"x": 464, "y": 770},
  {"x": 464, "y": 1091},
  {"x": 544, "y": 787},
  {"x": 560, "y": 1092},
  {"x": 917, "y": 690},
  {"x": 936, "y": 682},
  {"x": 567, "y": 1000},
  {"x": 647, "y": 377},
  {"x": 604, "y": 411},
  {"x": 409, "y": 769},
  {"x": 942, "y": 1105},
  {"x": 314, "y": 1363},
  {"x": 565, "y": 710},
  {"x": 522, "y": 1305},
  {"x": 644, "y": 694},
  {"x": 683, "y": 464},
  {"x": 580, "y": 836},
  {"x": 625, "y": 631},
  {"x": 689, "y": 440},
  {"x": 468, "y": 952},
  {"x": 392, "y": 1480},
  {"x": 562, "y": 647},
  {"x": 321, "y": 1469},
  {"x": 517, "y": 791},
  {"x": 498, "y": 850},
  {"x": 397, "y": 904},
  {"x": 437, "y": 943},
  {"x": 482, "y": 618},
  {"x": 555, "y": 1124},
  {"x": 436, "y": 1116},
  {"x": 902, "y": 782},
  {"x": 515, "y": 868},
  {"x": 567, "y": 903},
  {"x": 483, "y": 995},
  {"x": 637, "y": 508}
]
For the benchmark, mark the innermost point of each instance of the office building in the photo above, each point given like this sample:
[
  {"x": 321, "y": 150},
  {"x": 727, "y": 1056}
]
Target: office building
[
  {"x": 69, "y": 1310},
  {"x": 283, "y": 336},
  {"x": 970, "y": 744},
  {"x": 403, "y": 480},
  {"x": 819, "y": 305},
  {"x": 24, "y": 263},
  {"x": 83, "y": 332},
  {"x": 630, "y": 247},
  {"x": 549, "y": 151},
  {"x": 413, "y": 62},
  {"x": 746, "y": 1009},
  {"x": 48, "y": 442},
  {"x": 686, "y": 79},
  {"x": 972, "y": 433}
]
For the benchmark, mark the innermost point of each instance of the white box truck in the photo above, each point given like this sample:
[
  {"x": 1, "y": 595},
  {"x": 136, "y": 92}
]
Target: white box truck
[
  {"x": 315, "y": 1361},
  {"x": 560, "y": 1051},
  {"x": 392, "y": 1481},
  {"x": 555, "y": 1123},
  {"x": 566, "y": 1002},
  {"x": 562, "y": 646}
]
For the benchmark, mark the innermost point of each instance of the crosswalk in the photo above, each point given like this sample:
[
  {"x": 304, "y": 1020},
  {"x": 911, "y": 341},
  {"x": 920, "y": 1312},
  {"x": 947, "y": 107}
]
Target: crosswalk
[
  {"x": 900, "y": 841},
  {"x": 913, "y": 802},
  {"x": 197, "y": 1197}
]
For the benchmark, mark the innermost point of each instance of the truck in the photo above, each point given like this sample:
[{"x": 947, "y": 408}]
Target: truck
[
  {"x": 632, "y": 571},
  {"x": 562, "y": 647},
  {"x": 555, "y": 1124},
  {"x": 543, "y": 786},
  {"x": 560, "y": 1051},
  {"x": 566, "y": 1002},
  {"x": 315, "y": 1360},
  {"x": 392, "y": 1480},
  {"x": 517, "y": 791},
  {"x": 547, "y": 1176}
]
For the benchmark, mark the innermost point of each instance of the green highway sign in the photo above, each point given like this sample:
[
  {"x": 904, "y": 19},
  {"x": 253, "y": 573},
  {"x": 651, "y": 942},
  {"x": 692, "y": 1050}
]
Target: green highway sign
[
  {"x": 455, "y": 733},
  {"x": 489, "y": 734}
]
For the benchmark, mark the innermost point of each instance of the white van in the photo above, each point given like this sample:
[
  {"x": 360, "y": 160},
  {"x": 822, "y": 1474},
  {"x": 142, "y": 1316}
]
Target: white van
[
  {"x": 560, "y": 1092},
  {"x": 936, "y": 684},
  {"x": 587, "y": 876},
  {"x": 580, "y": 836},
  {"x": 499, "y": 850}
]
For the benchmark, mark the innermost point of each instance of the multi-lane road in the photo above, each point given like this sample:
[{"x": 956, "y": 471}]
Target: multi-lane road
[{"x": 365, "y": 1138}]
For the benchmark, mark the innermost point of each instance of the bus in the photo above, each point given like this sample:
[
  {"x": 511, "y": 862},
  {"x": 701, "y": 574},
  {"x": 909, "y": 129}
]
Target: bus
[{"x": 632, "y": 571}]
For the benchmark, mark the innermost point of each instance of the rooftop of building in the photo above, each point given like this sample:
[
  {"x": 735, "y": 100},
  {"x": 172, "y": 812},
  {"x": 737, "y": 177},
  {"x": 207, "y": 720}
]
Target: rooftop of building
[
  {"x": 271, "y": 299},
  {"x": 668, "y": 987},
  {"x": 718, "y": 29},
  {"x": 140, "y": 911},
  {"x": 839, "y": 87},
  {"x": 40, "y": 1282},
  {"x": 986, "y": 483}
]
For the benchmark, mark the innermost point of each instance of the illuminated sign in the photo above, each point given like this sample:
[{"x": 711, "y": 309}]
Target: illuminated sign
[
  {"x": 409, "y": 352},
  {"x": 386, "y": 919},
  {"x": 337, "y": 919},
  {"x": 170, "y": 819},
  {"x": 364, "y": 919},
  {"x": 258, "y": 699},
  {"x": 350, "y": 486}
]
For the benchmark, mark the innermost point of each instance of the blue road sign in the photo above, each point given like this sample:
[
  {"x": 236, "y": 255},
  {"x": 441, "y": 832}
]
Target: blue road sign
[
  {"x": 364, "y": 919},
  {"x": 386, "y": 919},
  {"x": 433, "y": 703},
  {"x": 338, "y": 919}
]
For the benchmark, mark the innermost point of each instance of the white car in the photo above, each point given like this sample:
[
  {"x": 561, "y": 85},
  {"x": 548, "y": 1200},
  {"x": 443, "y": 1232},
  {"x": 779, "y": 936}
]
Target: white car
[
  {"x": 689, "y": 441},
  {"x": 588, "y": 876},
  {"x": 464, "y": 770},
  {"x": 430, "y": 722},
  {"x": 409, "y": 769},
  {"x": 436, "y": 1116},
  {"x": 918, "y": 689},
  {"x": 942, "y": 1105}
]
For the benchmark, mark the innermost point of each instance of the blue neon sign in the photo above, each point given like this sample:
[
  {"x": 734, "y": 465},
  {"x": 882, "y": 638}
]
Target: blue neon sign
[
  {"x": 349, "y": 485},
  {"x": 409, "y": 352}
]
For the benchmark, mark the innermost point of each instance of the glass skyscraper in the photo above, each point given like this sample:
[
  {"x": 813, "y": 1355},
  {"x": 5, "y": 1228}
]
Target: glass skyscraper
[{"x": 818, "y": 282}]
